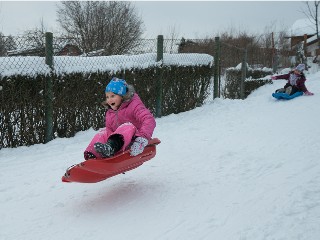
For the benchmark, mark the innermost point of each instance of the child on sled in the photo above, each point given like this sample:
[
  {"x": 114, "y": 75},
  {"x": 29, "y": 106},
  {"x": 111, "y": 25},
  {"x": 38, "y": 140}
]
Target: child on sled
[
  {"x": 128, "y": 123},
  {"x": 296, "y": 81}
]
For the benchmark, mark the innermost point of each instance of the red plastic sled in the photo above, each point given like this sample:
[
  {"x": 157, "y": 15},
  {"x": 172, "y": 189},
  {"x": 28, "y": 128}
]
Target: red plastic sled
[{"x": 96, "y": 170}]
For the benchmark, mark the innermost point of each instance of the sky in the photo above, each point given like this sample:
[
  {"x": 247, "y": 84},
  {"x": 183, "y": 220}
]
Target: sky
[
  {"x": 228, "y": 170},
  {"x": 189, "y": 19}
]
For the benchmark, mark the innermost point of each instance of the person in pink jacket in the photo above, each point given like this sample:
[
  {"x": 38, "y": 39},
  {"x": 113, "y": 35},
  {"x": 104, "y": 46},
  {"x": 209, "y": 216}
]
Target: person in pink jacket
[{"x": 129, "y": 124}]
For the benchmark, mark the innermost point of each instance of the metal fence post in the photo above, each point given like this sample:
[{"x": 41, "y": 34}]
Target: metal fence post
[
  {"x": 216, "y": 68},
  {"x": 48, "y": 88},
  {"x": 243, "y": 73},
  {"x": 219, "y": 70},
  {"x": 159, "y": 79}
]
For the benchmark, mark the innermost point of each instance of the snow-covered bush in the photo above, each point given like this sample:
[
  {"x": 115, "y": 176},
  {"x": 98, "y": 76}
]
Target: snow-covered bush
[{"x": 255, "y": 78}]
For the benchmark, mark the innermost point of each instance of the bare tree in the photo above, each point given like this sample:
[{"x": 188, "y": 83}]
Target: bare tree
[
  {"x": 173, "y": 34},
  {"x": 312, "y": 13},
  {"x": 2, "y": 45},
  {"x": 276, "y": 44},
  {"x": 109, "y": 25},
  {"x": 35, "y": 36},
  {"x": 7, "y": 43},
  {"x": 32, "y": 41}
]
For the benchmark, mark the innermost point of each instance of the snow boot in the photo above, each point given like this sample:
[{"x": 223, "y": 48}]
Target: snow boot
[
  {"x": 113, "y": 145},
  {"x": 88, "y": 155}
]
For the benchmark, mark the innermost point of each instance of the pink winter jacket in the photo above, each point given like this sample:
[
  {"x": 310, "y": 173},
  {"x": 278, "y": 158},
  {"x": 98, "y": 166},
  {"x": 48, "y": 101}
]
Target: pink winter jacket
[{"x": 135, "y": 112}]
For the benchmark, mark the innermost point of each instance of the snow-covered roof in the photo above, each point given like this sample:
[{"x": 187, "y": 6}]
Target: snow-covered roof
[
  {"x": 311, "y": 39},
  {"x": 301, "y": 27}
]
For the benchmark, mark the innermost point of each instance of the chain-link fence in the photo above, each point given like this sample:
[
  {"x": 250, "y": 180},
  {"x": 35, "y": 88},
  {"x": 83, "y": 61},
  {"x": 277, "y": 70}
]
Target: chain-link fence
[
  {"x": 53, "y": 89},
  {"x": 50, "y": 87},
  {"x": 243, "y": 68},
  {"x": 20, "y": 55}
]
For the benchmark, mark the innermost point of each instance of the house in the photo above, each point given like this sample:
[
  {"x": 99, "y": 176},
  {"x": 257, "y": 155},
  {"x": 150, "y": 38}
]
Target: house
[
  {"x": 303, "y": 32},
  {"x": 190, "y": 46},
  {"x": 98, "y": 52},
  {"x": 69, "y": 50},
  {"x": 64, "y": 50},
  {"x": 40, "y": 51}
]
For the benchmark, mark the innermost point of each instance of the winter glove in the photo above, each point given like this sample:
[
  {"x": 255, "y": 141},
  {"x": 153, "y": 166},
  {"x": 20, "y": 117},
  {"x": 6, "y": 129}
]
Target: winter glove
[
  {"x": 138, "y": 145},
  {"x": 273, "y": 78},
  {"x": 308, "y": 93}
]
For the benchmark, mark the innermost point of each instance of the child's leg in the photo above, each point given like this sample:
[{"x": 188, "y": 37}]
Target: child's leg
[
  {"x": 90, "y": 152},
  {"x": 119, "y": 140},
  {"x": 127, "y": 131},
  {"x": 288, "y": 90},
  {"x": 113, "y": 145}
]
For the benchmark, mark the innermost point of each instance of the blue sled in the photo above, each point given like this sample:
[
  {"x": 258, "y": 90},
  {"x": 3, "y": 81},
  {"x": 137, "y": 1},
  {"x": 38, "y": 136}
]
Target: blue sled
[{"x": 286, "y": 96}]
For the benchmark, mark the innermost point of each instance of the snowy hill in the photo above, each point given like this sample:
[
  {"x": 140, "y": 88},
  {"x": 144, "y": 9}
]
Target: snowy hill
[{"x": 232, "y": 169}]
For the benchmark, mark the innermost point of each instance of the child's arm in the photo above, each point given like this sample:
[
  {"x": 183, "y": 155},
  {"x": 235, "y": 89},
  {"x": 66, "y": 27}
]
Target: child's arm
[
  {"x": 148, "y": 124},
  {"x": 301, "y": 85},
  {"x": 283, "y": 76},
  {"x": 145, "y": 117},
  {"x": 144, "y": 133}
]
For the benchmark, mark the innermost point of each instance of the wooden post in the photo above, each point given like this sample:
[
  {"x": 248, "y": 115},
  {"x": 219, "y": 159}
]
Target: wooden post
[
  {"x": 244, "y": 74},
  {"x": 305, "y": 49},
  {"x": 274, "y": 57},
  {"x": 305, "y": 37}
]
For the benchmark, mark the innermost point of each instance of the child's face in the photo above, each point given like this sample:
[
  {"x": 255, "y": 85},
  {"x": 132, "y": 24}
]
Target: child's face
[{"x": 113, "y": 100}]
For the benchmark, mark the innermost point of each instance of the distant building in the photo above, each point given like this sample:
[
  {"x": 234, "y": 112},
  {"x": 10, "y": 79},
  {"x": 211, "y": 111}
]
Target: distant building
[
  {"x": 303, "y": 31},
  {"x": 61, "y": 50},
  {"x": 69, "y": 50},
  {"x": 27, "y": 52}
]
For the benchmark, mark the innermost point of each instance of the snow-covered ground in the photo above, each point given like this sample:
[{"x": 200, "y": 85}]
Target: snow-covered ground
[{"x": 229, "y": 170}]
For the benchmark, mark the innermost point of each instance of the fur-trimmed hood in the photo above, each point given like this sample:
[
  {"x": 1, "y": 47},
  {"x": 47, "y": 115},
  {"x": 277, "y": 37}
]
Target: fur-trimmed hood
[{"x": 126, "y": 98}]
